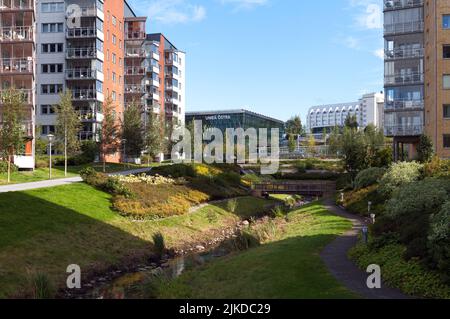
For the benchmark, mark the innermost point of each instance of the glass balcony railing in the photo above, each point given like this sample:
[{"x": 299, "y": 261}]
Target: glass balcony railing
[
  {"x": 135, "y": 35},
  {"x": 401, "y": 4},
  {"x": 405, "y": 27},
  {"x": 81, "y": 53},
  {"x": 84, "y": 94},
  {"x": 135, "y": 71},
  {"x": 403, "y": 130},
  {"x": 13, "y": 34},
  {"x": 16, "y": 65},
  {"x": 81, "y": 74},
  {"x": 89, "y": 32},
  {"x": 401, "y": 79},
  {"x": 134, "y": 89},
  {"x": 401, "y": 53},
  {"x": 16, "y": 5},
  {"x": 135, "y": 53},
  {"x": 403, "y": 105}
]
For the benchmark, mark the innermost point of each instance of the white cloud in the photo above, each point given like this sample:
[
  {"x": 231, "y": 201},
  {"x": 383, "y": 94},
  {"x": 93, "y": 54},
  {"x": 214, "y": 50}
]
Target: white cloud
[
  {"x": 245, "y": 4},
  {"x": 379, "y": 53},
  {"x": 370, "y": 15},
  {"x": 174, "y": 11}
]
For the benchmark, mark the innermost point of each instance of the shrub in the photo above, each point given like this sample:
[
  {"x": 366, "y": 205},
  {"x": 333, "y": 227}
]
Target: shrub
[
  {"x": 175, "y": 171},
  {"x": 91, "y": 177},
  {"x": 278, "y": 212},
  {"x": 232, "y": 205},
  {"x": 398, "y": 175},
  {"x": 42, "y": 287},
  {"x": 89, "y": 152},
  {"x": 439, "y": 240},
  {"x": 425, "y": 149},
  {"x": 4, "y": 167},
  {"x": 357, "y": 201},
  {"x": 409, "y": 276},
  {"x": 115, "y": 187},
  {"x": 368, "y": 177},
  {"x": 383, "y": 157},
  {"x": 159, "y": 244},
  {"x": 437, "y": 168}
]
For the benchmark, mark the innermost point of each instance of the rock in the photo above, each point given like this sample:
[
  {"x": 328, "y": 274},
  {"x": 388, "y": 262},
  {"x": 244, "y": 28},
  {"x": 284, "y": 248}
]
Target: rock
[
  {"x": 200, "y": 247},
  {"x": 246, "y": 223}
]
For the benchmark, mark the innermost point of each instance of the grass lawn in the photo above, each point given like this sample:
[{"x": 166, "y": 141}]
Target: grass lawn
[
  {"x": 47, "y": 229},
  {"x": 41, "y": 174},
  {"x": 287, "y": 267}
]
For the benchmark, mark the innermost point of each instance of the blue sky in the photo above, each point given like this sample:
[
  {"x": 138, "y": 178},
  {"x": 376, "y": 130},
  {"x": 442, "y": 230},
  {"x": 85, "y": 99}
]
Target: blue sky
[{"x": 276, "y": 57}]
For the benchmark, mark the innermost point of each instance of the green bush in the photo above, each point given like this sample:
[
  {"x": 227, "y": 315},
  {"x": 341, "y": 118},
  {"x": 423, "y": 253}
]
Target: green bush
[
  {"x": 4, "y": 167},
  {"x": 176, "y": 171},
  {"x": 232, "y": 205},
  {"x": 398, "y": 175},
  {"x": 101, "y": 181},
  {"x": 439, "y": 240},
  {"x": 89, "y": 152},
  {"x": 368, "y": 177},
  {"x": 159, "y": 244},
  {"x": 407, "y": 275}
]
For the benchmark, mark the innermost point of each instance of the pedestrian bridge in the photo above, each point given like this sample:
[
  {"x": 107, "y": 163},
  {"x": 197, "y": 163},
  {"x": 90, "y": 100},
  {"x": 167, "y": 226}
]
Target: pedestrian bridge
[{"x": 304, "y": 188}]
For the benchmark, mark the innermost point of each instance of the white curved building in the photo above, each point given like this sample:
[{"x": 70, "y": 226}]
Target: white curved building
[{"x": 368, "y": 110}]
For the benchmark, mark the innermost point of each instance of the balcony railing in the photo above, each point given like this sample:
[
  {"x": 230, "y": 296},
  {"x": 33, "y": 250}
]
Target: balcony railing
[
  {"x": 27, "y": 128},
  {"x": 401, "y": 4},
  {"x": 401, "y": 79},
  {"x": 81, "y": 53},
  {"x": 16, "y": 65},
  {"x": 90, "y": 11},
  {"x": 135, "y": 53},
  {"x": 135, "y": 71},
  {"x": 12, "y": 34},
  {"x": 26, "y": 94},
  {"x": 16, "y": 5},
  {"x": 134, "y": 89},
  {"x": 135, "y": 35},
  {"x": 84, "y": 94},
  {"x": 170, "y": 87},
  {"x": 406, "y": 27},
  {"x": 171, "y": 100},
  {"x": 81, "y": 74},
  {"x": 403, "y": 130},
  {"x": 89, "y": 32},
  {"x": 404, "y": 105},
  {"x": 404, "y": 53},
  {"x": 88, "y": 136}
]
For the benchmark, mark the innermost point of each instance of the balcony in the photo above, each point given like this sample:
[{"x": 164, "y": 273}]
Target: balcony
[
  {"x": 90, "y": 116},
  {"x": 132, "y": 53},
  {"x": 16, "y": 34},
  {"x": 154, "y": 96},
  {"x": 170, "y": 87},
  {"x": 81, "y": 74},
  {"x": 155, "y": 56},
  {"x": 135, "y": 89},
  {"x": 16, "y": 5},
  {"x": 404, "y": 79},
  {"x": 401, "y": 28},
  {"x": 84, "y": 33},
  {"x": 135, "y": 35},
  {"x": 92, "y": 12},
  {"x": 399, "y": 53},
  {"x": 84, "y": 95},
  {"x": 170, "y": 61},
  {"x": 153, "y": 69},
  {"x": 16, "y": 66},
  {"x": 401, "y": 4},
  {"x": 26, "y": 94},
  {"x": 171, "y": 100},
  {"x": 135, "y": 71},
  {"x": 403, "y": 130},
  {"x": 81, "y": 53},
  {"x": 88, "y": 136},
  {"x": 404, "y": 105}
]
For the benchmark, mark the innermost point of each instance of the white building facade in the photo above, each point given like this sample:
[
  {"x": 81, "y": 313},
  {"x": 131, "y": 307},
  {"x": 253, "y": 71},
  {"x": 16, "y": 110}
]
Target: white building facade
[{"x": 368, "y": 110}]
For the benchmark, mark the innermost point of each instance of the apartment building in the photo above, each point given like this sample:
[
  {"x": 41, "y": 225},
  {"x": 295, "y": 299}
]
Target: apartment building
[
  {"x": 368, "y": 110},
  {"x": 417, "y": 74},
  {"x": 17, "y": 50}
]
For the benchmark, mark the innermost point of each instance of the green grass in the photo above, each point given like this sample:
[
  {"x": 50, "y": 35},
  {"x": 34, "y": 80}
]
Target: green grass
[
  {"x": 42, "y": 174},
  {"x": 286, "y": 267},
  {"x": 45, "y": 230}
]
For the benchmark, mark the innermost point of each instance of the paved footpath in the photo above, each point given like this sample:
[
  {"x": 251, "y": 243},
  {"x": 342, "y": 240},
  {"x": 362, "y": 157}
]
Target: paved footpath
[
  {"x": 60, "y": 182},
  {"x": 344, "y": 270}
]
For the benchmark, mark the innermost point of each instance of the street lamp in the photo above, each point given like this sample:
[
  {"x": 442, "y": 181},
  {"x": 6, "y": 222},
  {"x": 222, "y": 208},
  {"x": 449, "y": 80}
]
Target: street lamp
[
  {"x": 342, "y": 198},
  {"x": 50, "y": 138}
]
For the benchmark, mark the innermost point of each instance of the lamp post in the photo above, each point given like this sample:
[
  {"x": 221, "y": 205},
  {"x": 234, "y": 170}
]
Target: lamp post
[
  {"x": 342, "y": 198},
  {"x": 50, "y": 138}
]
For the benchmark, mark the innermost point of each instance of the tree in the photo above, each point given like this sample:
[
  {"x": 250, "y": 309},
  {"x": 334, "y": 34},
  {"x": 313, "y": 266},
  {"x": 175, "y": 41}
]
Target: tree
[
  {"x": 294, "y": 126},
  {"x": 312, "y": 145},
  {"x": 68, "y": 125},
  {"x": 132, "y": 131},
  {"x": 375, "y": 141},
  {"x": 292, "y": 145},
  {"x": 334, "y": 141},
  {"x": 11, "y": 129},
  {"x": 351, "y": 122},
  {"x": 109, "y": 134},
  {"x": 425, "y": 149},
  {"x": 154, "y": 139},
  {"x": 354, "y": 150}
]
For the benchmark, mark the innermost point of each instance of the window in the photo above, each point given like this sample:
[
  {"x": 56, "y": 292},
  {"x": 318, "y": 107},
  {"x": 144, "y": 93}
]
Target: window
[
  {"x": 447, "y": 111},
  {"x": 52, "y": 47},
  {"x": 114, "y": 58},
  {"x": 446, "y": 21},
  {"x": 47, "y": 129},
  {"x": 446, "y": 141},
  {"x": 52, "y": 68},
  {"x": 50, "y": 7},
  {"x": 47, "y": 110},
  {"x": 114, "y": 39},
  {"x": 446, "y": 81},
  {"x": 52, "y": 27},
  {"x": 51, "y": 88},
  {"x": 114, "y": 20},
  {"x": 446, "y": 51},
  {"x": 113, "y": 95}
]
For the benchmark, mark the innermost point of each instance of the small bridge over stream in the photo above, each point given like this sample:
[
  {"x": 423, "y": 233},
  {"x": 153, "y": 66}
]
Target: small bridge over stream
[{"x": 304, "y": 188}]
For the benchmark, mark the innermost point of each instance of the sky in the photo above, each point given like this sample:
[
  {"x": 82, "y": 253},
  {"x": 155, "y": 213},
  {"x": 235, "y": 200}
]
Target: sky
[{"x": 274, "y": 57}]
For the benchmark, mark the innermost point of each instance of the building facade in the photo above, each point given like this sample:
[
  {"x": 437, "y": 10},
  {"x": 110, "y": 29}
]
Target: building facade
[
  {"x": 368, "y": 110},
  {"x": 235, "y": 119},
  {"x": 417, "y": 74},
  {"x": 99, "y": 50},
  {"x": 17, "y": 65}
]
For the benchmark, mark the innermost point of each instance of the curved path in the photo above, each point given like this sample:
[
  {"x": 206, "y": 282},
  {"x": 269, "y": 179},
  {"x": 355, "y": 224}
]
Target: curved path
[
  {"x": 344, "y": 270},
  {"x": 61, "y": 181}
]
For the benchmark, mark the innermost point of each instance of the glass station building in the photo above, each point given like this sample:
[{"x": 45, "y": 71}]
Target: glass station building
[{"x": 235, "y": 119}]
